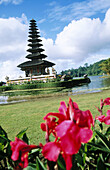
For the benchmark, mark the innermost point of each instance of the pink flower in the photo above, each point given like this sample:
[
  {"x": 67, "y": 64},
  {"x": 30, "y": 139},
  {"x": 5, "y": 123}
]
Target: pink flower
[
  {"x": 20, "y": 150},
  {"x": 62, "y": 115},
  {"x": 81, "y": 118},
  {"x": 68, "y": 160},
  {"x": 49, "y": 127},
  {"x": 102, "y": 103},
  {"x": 50, "y": 121},
  {"x": 51, "y": 151},
  {"x": 72, "y": 112},
  {"x": 70, "y": 130},
  {"x": 102, "y": 118},
  {"x": 107, "y": 101},
  {"x": 105, "y": 119},
  {"x": 71, "y": 136}
]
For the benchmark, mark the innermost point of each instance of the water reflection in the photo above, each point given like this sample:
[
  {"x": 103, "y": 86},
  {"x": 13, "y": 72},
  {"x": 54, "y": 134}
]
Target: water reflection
[
  {"x": 106, "y": 82},
  {"x": 97, "y": 82},
  {"x": 3, "y": 99}
]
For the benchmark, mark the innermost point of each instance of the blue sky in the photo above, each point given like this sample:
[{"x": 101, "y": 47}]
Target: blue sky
[
  {"x": 53, "y": 16},
  {"x": 73, "y": 32}
]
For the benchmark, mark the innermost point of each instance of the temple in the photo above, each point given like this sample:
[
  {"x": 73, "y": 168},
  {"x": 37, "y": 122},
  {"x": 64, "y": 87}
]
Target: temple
[{"x": 36, "y": 65}]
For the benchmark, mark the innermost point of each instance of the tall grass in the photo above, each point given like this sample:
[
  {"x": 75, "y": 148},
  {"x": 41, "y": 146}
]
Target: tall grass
[{"x": 16, "y": 117}]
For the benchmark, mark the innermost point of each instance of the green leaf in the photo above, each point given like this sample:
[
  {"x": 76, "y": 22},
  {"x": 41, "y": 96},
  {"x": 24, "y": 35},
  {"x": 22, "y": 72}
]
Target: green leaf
[
  {"x": 2, "y": 132},
  {"x": 3, "y": 136},
  {"x": 8, "y": 150},
  {"x": 99, "y": 147},
  {"x": 61, "y": 163},
  {"x": 100, "y": 164},
  {"x": 31, "y": 167},
  {"x": 100, "y": 124},
  {"x": 2, "y": 155},
  {"x": 37, "y": 165},
  {"x": 107, "y": 164},
  {"x": 108, "y": 131},
  {"x": 21, "y": 133},
  {"x": 103, "y": 139},
  {"x": 4, "y": 140},
  {"x": 51, "y": 138},
  {"x": 1, "y": 147},
  {"x": 25, "y": 138},
  {"x": 79, "y": 159},
  {"x": 40, "y": 165},
  {"x": 10, "y": 168},
  {"x": 35, "y": 151}
]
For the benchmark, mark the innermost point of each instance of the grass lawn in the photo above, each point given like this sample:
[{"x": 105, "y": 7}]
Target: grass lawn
[{"x": 18, "y": 116}]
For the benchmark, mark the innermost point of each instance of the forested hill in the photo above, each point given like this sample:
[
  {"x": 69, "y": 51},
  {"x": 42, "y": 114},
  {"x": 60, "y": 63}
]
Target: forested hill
[{"x": 92, "y": 69}]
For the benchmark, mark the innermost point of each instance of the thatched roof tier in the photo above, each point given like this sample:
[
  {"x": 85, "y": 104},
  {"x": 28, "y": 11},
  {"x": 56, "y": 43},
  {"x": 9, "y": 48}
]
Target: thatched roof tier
[
  {"x": 34, "y": 40},
  {"x": 29, "y": 64},
  {"x": 34, "y": 35},
  {"x": 36, "y": 56},
  {"x": 32, "y": 20},
  {"x": 35, "y": 50},
  {"x": 35, "y": 44},
  {"x": 34, "y": 31}
]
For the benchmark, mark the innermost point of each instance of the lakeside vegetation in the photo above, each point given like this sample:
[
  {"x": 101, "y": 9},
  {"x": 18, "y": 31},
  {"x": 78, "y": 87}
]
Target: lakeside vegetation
[
  {"x": 97, "y": 68},
  {"x": 44, "y": 85},
  {"x": 19, "y": 116}
]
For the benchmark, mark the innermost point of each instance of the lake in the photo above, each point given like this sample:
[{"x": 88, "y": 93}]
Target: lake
[{"x": 97, "y": 82}]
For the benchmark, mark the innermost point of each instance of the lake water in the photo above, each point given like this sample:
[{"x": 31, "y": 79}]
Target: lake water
[
  {"x": 3, "y": 99},
  {"x": 97, "y": 82}
]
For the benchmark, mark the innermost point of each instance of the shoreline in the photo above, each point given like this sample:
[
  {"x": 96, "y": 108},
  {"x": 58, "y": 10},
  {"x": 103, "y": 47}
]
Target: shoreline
[{"x": 32, "y": 97}]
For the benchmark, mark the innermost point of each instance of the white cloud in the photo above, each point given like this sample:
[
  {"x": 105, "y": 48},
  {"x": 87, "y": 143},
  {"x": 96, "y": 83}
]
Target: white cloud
[
  {"x": 8, "y": 68},
  {"x": 77, "y": 10},
  {"x": 80, "y": 42},
  {"x": 41, "y": 21},
  {"x": 15, "y": 2},
  {"x": 13, "y": 44}
]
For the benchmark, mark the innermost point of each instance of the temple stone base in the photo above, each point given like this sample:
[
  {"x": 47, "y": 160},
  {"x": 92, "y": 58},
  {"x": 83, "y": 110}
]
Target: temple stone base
[{"x": 33, "y": 78}]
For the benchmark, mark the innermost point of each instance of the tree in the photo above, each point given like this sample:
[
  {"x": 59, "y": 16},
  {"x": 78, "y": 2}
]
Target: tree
[
  {"x": 86, "y": 65},
  {"x": 7, "y": 78},
  {"x": 92, "y": 69},
  {"x": 105, "y": 66}
]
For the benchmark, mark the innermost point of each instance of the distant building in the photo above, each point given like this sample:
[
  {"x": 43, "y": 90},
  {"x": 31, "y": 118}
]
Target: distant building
[{"x": 36, "y": 66}]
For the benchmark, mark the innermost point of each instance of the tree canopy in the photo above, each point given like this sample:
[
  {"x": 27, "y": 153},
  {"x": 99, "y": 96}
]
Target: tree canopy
[
  {"x": 105, "y": 66},
  {"x": 97, "y": 68}
]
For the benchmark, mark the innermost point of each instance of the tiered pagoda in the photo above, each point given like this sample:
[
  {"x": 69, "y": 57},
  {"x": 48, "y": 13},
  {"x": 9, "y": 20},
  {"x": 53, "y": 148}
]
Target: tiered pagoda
[{"x": 36, "y": 65}]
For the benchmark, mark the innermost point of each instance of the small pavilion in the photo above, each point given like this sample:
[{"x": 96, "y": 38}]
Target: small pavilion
[{"x": 36, "y": 65}]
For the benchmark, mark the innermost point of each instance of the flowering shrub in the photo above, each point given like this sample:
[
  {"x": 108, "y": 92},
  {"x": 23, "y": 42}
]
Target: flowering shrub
[
  {"x": 70, "y": 130},
  {"x": 72, "y": 142},
  {"x": 20, "y": 151},
  {"x": 102, "y": 118}
]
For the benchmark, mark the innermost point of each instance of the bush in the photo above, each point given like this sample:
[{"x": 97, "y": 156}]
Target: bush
[
  {"x": 5, "y": 88},
  {"x": 41, "y": 84}
]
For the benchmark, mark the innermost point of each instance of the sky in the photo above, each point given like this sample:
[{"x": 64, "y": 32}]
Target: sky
[{"x": 73, "y": 32}]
